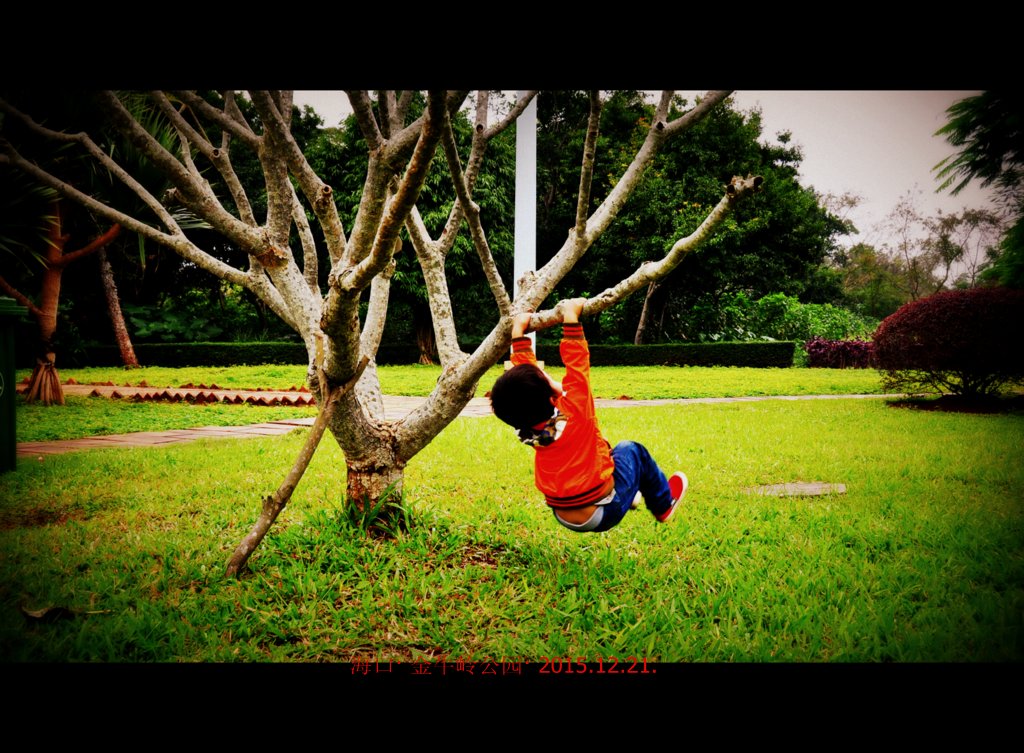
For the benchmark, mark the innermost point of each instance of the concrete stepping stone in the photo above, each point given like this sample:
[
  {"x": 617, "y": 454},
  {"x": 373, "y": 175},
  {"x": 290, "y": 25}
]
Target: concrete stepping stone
[{"x": 798, "y": 489}]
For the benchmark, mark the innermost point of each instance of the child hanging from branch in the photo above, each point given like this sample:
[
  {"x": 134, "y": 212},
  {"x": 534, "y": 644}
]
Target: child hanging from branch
[{"x": 588, "y": 485}]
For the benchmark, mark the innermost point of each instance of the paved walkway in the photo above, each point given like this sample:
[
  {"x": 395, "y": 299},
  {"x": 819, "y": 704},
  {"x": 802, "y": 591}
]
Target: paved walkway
[{"x": 395, "y": 407}]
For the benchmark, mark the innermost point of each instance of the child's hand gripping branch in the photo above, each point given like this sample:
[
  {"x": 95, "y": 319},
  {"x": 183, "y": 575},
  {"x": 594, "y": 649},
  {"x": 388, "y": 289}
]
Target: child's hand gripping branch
[
  {"x": 588, "y": 485},
  {"x": 568, "y": 311}
]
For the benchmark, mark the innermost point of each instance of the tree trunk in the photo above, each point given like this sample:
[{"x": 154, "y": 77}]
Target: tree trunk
[
  {"x": 426, "y": 340},
  {"x": 645, "y": 314},
  {"x": 44, "y": 385},
  {"x": 375, "y": 495},
  {"x": 124, "y": 341}
]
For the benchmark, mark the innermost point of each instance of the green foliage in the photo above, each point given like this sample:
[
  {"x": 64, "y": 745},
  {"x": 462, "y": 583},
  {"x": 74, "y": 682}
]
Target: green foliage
[
  {"x": 219, "y": 312},
  {"x": 1008, "y": 268},
  {"x": 168, "y": 323},
  {"x": 987, "y": 130},
  {"x": 775, "y": 316},
  {"x": 783, "y": 317},
  {"x": 25, "y": 216},
  {"x": 871, "y": 281}
]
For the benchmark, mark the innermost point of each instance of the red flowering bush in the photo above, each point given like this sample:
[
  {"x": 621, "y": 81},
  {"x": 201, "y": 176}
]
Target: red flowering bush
[
  {"x": 967, "y": 342},
  {"x": 839, "y": 354}
]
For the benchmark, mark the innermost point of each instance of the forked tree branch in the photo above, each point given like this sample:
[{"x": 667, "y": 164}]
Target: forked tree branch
[
  {"x": 401, "y": 205},
  {"x": 317, "y": 192},
  {"x": 218, "y": 157}
]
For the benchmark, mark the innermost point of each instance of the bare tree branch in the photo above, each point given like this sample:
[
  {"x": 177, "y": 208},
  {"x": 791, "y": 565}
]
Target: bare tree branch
[
  {"x": 408, "y": 191},
  {"x": 574, "y": 248},
  {"x": 219, "y": 157},
  {"x": 233, "y": 122},
  {"x": 362, "y": 108},
  {"x": 652, "y": 271},
  {"x": 431, "y": 261},
  {"x": 472, "y": 213},
  {"x": 319, "y": 194},
  {"x": 275, "y": 503},
  {"x": 709, "y": 102},
  {"x": 20, "y": 297},
  {"x": 92, "y": 247},
  {"x": 275, "y": 169},
  {"x": 513, "y": 115},
  {"x": 195, "y": 193},
  {"x": 404, "y": 103},
  {"x": 310, "y": 263},
  {"x": 587, "y": 171}
]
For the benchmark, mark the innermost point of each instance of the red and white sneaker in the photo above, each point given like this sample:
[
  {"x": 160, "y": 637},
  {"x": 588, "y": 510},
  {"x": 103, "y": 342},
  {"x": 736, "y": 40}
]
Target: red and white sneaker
[{"x": 677, "y": 484}]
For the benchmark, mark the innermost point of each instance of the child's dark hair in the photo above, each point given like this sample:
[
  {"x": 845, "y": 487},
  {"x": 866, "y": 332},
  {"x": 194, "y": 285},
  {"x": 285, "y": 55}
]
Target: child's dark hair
[{"x": 522, "y": 397}]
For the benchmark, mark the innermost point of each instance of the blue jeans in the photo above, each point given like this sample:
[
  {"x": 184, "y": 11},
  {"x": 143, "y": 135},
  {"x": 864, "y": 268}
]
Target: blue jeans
[{"x": 635, "y": 470}]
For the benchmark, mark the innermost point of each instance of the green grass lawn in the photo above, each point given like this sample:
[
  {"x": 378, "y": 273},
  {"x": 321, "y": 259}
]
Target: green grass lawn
[
  {"x": 119, "y": 555},
  {"x": 95, "y": 416},
  {"x": 638, "y": 382}
]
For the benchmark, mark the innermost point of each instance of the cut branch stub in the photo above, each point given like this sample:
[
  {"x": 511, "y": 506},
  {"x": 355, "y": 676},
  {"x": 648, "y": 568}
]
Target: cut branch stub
[{"x": 738, "y": 187}]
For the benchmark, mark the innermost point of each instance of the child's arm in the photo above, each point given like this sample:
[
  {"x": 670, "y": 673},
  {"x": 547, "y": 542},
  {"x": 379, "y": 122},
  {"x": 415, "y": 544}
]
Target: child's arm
[
  {"x": 571, "y": 309},
  {"x": 521, "y": 324}
]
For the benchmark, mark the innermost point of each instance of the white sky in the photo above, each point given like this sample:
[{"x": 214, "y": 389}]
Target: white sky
[{"x": 876, "y": 144}]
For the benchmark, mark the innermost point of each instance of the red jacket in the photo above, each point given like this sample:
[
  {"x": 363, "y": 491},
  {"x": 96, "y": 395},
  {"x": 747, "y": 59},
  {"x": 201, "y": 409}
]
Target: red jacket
[{"x": 576, "y": 469}]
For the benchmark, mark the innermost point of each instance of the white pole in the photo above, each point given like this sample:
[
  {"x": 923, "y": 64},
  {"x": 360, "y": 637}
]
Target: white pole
[{"x": 525, "y": 246}]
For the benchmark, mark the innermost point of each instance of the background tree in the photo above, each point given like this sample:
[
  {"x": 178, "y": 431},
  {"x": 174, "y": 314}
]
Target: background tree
[
  {"x": 402, "y": 141},
  {"x": 965, "y": 244},
  {"x": 912, "y": 250},
  {"x": 97, "y": 302},
  {"x": 44, "y": 384},
  {"x": 776, "y": 242},
  {"x": 926, "y": 255},
  {"x": 988, "y": 131},
  {"x": 870, "y": 281}
]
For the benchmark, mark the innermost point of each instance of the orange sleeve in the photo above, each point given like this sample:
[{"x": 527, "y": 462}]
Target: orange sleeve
[
  {"x": 576, "y": 358},
  {"x": 522, "y": 351}
]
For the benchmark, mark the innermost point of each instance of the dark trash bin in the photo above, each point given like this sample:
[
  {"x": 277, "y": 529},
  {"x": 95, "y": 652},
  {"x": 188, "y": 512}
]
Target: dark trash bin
[{"x": 10, "y": 314}]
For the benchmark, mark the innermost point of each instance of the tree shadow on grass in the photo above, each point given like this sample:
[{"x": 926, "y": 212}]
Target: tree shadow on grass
[{"x": 989, "y": 404}]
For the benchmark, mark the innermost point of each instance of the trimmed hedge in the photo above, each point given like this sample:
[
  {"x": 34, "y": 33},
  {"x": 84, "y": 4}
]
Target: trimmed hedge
[
  {"x": 757, "y": 354},
  {"x": 754, "y": 354},
  {"x": 219, "y": 354}
]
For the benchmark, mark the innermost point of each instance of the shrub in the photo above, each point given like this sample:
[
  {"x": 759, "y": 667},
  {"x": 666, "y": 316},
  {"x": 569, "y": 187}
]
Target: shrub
[
  {"x": 839, "y": 354},
  {"x": 967, "y": 342}
]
